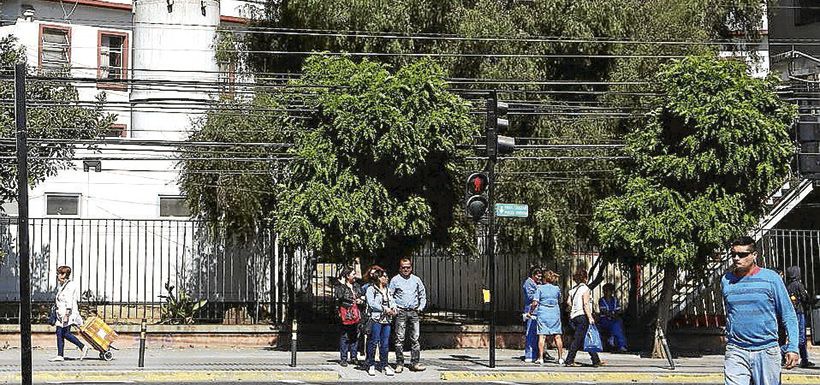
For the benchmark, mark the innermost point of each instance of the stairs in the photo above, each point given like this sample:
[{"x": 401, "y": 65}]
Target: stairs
[{"x": 779, "y": 204}]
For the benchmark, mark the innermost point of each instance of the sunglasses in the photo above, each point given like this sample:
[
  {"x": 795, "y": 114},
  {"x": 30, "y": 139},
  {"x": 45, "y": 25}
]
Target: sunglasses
[
  {"x": 406, "y": 267},
  {"x": 742, "y": 254}
]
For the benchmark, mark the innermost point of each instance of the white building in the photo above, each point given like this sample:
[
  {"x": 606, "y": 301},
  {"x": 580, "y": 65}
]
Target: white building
[{"x": 147, "y": 42}]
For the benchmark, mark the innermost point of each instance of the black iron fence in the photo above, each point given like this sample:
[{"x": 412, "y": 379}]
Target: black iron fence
[{"x": 172, "y": 271}]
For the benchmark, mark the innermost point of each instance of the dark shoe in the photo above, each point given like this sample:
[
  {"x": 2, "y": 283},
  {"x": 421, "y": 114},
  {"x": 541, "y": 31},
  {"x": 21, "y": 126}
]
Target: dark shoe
[
  {"x": 807, "y": 364},
  {"x": 572, "y": 364},
  {"x": 600, "y": 363},
  {"x": 343, "y": 363},
  {"x": 417, "y": 368}
]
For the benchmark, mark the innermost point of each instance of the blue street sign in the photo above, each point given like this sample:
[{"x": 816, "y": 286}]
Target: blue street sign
[{"x": 511, "y": 210}]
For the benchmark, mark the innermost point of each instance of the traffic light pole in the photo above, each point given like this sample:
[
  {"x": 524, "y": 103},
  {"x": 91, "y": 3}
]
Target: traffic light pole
[
  {"x": 492, "y": 137},
  {"x": 22, "y": 222}
]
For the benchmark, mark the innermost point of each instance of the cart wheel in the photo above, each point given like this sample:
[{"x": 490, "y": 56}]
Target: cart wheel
[{"x": 108, "y": 355}]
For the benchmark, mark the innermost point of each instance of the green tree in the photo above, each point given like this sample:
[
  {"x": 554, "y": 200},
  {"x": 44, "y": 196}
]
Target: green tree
[
  {"x": 711, "y": 151},
  {"x": 52, "y": 113},
  {"x": 374, "y": 168}
]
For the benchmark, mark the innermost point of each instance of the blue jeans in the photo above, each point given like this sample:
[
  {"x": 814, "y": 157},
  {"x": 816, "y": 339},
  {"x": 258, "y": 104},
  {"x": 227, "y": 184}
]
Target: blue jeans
[
  {"x": 65, "y": 334},
  {"x": 379, "y": 336},
  {"x": 531, "y": 344},
  {"x": 755, "y": 367},
  {"x": 349, "y": 342},
  {"x": 801, "y": 339},
  {"x": 615, "y": 329}
]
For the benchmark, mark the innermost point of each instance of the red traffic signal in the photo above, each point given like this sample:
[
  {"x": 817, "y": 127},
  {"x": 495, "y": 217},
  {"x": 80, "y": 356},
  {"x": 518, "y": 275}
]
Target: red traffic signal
[
  {"x": 477, "y": 183},
  {"x": 477, "y": 202}
]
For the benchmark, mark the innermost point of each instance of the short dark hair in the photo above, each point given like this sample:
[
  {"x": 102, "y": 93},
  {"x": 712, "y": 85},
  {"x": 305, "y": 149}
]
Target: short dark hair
[
  {"x": 344, "y": 272},
  {"x": 581, "y": 275},
  {"x": 64, "y": 270},
  {"x": 609, "y": 287},
  {"x": 535, "y": 270},
  {"x": 745, "y": 241}
]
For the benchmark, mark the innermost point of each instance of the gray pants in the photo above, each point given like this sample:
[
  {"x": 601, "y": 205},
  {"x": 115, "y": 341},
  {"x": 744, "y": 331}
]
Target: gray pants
[{"x": 404, "y": 319}]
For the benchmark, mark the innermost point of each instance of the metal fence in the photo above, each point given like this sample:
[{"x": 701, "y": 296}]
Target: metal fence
[
  {"x": 125, "y": 268},
  {"x": 128, "y": 270}
]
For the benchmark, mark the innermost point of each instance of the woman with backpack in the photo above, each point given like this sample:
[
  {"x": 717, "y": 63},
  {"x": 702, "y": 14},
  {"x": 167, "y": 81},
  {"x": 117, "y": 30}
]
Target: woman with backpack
[
  {"x": 580, "y": 316},
  {"x": 382, "y": 309},
  {"x": 346, "y": 292}
]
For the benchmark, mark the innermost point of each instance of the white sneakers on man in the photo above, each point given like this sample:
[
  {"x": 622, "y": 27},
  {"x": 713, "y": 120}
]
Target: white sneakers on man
[
  {"x": 371, "y": 371},
  {"x": 57, "y": 359}
]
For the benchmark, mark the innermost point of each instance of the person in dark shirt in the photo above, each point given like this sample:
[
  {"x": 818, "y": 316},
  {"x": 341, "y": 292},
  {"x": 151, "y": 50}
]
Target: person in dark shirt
[{"x": 802, "y": 301}]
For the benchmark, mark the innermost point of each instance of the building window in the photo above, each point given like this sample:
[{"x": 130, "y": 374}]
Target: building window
[
  {"x": 806, "y": 12},
  {"x": 55, "y": 47},
  {"x": 115, "y": 131},
  {"x": 62, "y": 204},
  {"x": 173, "y": 206},
  {"x": 112, "y": 59}
]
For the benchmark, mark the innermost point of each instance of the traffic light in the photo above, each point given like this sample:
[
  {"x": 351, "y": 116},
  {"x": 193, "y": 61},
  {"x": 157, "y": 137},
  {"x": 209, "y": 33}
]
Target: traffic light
[
  {"x": 477, "y": 201},
  {"x": 497, "y": 144}
]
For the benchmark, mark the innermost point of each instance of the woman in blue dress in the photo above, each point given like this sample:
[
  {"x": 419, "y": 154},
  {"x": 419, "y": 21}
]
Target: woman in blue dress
[{"x": 546, "y": 308}]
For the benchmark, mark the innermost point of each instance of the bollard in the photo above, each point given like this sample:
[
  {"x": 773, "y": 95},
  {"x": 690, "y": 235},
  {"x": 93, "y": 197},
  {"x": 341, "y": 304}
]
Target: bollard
[
  {"x": 143, "y": 328},
  {"x": 293, "y": 330}
]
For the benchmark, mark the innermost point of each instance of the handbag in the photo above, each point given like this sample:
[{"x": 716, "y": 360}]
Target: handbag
[
  {"x": 592, "y": 340},
  {"x": 349, "y": 315}
]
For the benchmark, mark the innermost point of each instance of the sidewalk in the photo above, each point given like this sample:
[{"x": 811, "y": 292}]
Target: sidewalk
[{"x": 227, "y": 365}]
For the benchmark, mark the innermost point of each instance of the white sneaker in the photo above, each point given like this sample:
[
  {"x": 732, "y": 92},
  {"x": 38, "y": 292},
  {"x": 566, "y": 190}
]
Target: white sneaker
[
  {"x": 528, "y": 360},
  {"x": 57, "y": 359},
  {"x": 371, "y": 371},
  {"x": 388, "y": 370},
  {"x": 561, "y": 361},
  {"x": 83, "y": 353},
  {"x": 539, "y": 362}
]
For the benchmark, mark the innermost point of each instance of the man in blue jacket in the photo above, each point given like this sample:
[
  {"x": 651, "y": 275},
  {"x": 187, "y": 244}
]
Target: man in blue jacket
[{"x": 755, "y": 299}]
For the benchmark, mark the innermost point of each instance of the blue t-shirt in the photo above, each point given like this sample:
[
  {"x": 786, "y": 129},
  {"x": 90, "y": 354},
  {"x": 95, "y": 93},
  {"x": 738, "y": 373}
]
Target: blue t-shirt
[
  {"x": 753, "y": 304},
  {"x": 529, "y": 287}
]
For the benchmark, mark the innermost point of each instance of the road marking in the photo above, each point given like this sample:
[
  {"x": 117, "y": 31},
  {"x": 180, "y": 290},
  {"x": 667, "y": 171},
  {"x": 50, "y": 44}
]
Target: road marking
[
  {"x": 93, "y": 382},
  {"x": 291, "y": 382}
]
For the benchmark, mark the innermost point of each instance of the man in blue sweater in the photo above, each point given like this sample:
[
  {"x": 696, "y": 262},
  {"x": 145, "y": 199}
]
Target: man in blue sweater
[
  {"x": 411, "y": 298},
  {"x": 755, "y": 299}
]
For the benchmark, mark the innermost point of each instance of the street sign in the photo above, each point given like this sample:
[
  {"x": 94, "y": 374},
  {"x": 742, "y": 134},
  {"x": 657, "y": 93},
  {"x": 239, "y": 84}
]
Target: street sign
[{"x": 512, "y": 210}]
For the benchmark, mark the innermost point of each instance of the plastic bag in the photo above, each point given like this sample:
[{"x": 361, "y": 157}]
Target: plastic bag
[{"x": 592, "y": 341}]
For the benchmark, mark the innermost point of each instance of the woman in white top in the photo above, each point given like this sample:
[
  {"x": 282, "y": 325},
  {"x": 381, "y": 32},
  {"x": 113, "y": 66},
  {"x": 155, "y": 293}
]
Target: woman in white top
[
  {"x": 580, "y": 301},
  {"x": 67, "y": 312}
]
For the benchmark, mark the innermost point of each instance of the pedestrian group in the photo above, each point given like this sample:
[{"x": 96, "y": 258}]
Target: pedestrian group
[{"x": 373, "y": 311}]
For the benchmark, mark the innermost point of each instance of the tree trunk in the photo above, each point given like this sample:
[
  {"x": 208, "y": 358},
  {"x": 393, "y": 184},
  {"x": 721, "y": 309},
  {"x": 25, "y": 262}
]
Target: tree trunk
[
  {"x": 633, "y": 306},
  {"x": 670, "y": 275}
]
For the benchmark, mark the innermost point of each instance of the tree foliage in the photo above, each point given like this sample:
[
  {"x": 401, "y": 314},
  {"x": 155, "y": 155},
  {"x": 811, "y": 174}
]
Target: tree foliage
[
  {"x": 52, "y": 113},
  {"x": 373, "y": 165},
  {"x": 709, "y": 155}
]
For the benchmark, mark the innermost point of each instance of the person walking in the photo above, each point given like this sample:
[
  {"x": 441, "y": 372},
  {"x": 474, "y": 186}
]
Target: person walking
[
  {"x": 580, "y": 302},
  {"x": 411, "y": 298},
  {"x": 66, "y": 313},
  {"x": 611, "y": 320},
  {"x": 546, "y": 306},
  {"x": 756, "y": 300},
  {"x": 529, "y": 288},
  {"x": 347, "y": 295},
  {"x": 801, "y": 302},
  {"x": 382, "y": 310}
]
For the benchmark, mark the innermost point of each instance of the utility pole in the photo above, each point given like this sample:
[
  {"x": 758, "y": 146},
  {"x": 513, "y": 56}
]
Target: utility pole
[{"x": 22, "y": 222}]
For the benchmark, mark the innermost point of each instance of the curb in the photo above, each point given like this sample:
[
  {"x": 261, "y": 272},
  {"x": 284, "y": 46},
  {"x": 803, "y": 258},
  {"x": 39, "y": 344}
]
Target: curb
[
  {"x": 178, "y": 376},
  {"x": 608, "y": 377}
]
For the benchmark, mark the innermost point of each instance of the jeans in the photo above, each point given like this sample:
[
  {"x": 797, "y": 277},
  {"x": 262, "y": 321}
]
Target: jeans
[
  {"x": 756, "y": 367},
  {"x": 349, "y": 342},
  {"x": 403, "y": 319},
  {"x": 379, "y": 336},
  {"x": 581, "y": 324},
  {"x": 65, "y": 334},
  {"x": 531, "y": 344},
  {"x": 801, "y": 341},
  {"x": 615, "y": 329}
]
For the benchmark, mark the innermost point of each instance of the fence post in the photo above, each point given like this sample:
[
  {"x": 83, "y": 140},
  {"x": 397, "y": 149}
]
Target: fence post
[
  {"x": 293, "y": 338},
  {"x": 143, "y": 330}
]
